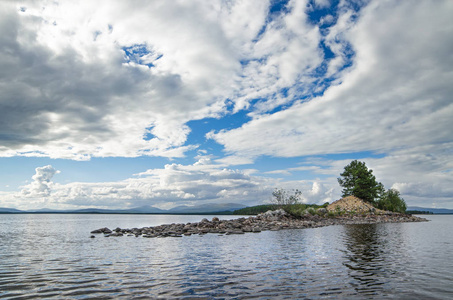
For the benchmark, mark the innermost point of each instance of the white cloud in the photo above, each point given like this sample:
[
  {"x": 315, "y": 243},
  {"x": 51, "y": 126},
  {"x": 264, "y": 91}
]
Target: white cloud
[
  {"x": 82, "y": 79},
  {"x": 317, "y": 194},
  {"x": 389, "y": 99},
  {"x": 42, "y": 184},
  {"x": 69, "y": 89},
  {"x": 397, "y": 95},
  {"x": 283, "y": 57},
  {"x": 322, "y": 3},
  {"x": 173, "y": 185}
]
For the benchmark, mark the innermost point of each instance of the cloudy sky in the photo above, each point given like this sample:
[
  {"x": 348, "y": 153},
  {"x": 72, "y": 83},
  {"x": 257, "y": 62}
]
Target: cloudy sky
[{"x": 119, "y": 104}]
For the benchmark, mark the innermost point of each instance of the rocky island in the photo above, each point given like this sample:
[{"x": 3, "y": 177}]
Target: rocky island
[{"x": 348, "y": 210}]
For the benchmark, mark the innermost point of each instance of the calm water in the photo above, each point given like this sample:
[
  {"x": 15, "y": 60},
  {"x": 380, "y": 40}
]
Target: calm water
[{"x": 45, "y": 256}]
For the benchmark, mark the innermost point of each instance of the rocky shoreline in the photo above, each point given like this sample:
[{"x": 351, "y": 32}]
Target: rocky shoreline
[{"x": 271, "y": 220}]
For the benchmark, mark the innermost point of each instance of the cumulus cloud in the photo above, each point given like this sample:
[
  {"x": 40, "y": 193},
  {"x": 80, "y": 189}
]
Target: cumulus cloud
[
  {"x": 172, "y": 185},
  {"x": 42, "y": 183},
  {"x": 317, "y": 194}
]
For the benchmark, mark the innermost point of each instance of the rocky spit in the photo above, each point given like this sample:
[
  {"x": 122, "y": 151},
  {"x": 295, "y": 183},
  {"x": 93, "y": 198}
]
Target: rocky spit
[{"x": 271, "y": 220}]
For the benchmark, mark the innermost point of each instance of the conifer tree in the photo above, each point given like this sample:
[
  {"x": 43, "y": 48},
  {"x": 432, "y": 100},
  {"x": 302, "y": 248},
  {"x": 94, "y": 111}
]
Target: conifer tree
[{"x": 357, "y": 180}]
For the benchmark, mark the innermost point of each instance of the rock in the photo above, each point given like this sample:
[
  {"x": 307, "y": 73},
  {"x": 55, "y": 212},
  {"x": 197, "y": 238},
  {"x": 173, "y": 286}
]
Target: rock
[
  {"x": 116, "y": 234},
  {"x": 102, "y": 230},
  {"x": 215, "y": 219},
  {"x": 92, "y": 236},
  {"x": 247, "y": 229},
  {"x": 353, "y": 204},
  {"x": 234, "y": 232},
  {"x": 149, "y": 236}
]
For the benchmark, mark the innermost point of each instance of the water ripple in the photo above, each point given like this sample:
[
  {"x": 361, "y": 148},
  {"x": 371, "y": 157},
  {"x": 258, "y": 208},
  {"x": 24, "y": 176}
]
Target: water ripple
[{"x": 356, "y": 261}]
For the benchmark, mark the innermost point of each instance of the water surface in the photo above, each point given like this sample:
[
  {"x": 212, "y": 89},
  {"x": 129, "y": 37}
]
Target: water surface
[{"x": 53, "y": 256}]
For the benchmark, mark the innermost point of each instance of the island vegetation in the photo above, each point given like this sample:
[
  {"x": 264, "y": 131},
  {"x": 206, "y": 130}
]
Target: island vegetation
[
  {"x": 356, "y": 180},
  {"x": 377, "y": 206}
]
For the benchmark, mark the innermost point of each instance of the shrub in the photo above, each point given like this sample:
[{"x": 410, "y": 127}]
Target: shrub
[
  {"x": 391, "y": 200},
  {"x": 331, "y": 214},
  {"x": 311, "y": 211}
]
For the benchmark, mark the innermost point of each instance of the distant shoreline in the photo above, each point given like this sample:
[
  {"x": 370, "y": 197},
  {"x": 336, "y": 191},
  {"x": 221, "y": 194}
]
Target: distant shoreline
[
  {"x": 114, "y": 213},
  {"x": 225, "y": 213}
]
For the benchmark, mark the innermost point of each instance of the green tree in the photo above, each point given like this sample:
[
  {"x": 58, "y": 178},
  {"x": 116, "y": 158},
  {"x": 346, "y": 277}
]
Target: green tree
[
  {"x": 357, "y": 180},
  {"x": 391, "y": 200}
]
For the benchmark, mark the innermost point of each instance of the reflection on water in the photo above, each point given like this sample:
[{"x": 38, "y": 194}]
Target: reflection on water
[
  {"x": 52, "y": 256},
  {"x": 368, "y": 265}
]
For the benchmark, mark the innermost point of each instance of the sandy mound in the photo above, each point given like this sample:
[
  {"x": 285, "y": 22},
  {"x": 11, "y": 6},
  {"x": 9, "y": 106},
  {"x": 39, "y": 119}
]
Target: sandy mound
[{"x": 353, "y": 204}]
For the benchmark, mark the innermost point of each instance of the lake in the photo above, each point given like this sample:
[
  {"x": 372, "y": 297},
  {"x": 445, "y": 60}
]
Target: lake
[{"x": 53, "y": 256}]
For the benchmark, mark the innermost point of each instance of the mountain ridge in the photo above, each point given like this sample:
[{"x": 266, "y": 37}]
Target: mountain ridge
[
  {"x": 433, "y": 210},
  {"x": 145, "y": 209}
]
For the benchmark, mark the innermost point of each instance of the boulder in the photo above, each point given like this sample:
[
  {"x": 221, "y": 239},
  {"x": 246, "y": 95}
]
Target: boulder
[{"x": 104, "y": 230}]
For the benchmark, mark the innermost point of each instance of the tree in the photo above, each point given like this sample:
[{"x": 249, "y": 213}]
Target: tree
[
  {"x": 392, "y": 200},
  {"x": 283, "y": 199},
  {"x": 357, "y": 180}
]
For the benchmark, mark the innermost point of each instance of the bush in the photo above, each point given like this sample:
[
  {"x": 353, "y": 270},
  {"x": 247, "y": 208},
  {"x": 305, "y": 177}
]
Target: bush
[
  {"x": 312, "y": 211},
  {"x": 295, "y": 209},
  {"x": 254, "y": 210},
  {"x": 331, "y": 214},
  {"x": 392, "y": 201}
]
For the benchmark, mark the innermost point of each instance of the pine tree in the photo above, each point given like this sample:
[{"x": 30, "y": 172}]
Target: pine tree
[{"x": 357, "y": 180}]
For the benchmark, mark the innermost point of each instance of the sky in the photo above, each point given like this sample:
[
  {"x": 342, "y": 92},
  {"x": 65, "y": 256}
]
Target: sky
[{"x": 120, "y": 104}]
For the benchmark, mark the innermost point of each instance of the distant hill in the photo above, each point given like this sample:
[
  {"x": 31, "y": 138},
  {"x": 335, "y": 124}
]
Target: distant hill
[
  {"x": 433, "y": 210},
  {"x": 147, "y": 209},
  {"x": 45, "y": 210},
  {"x": 227, "y": 208},
  {"x": 9, "y": 210},
  {"x": 206, "y": 208}
]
